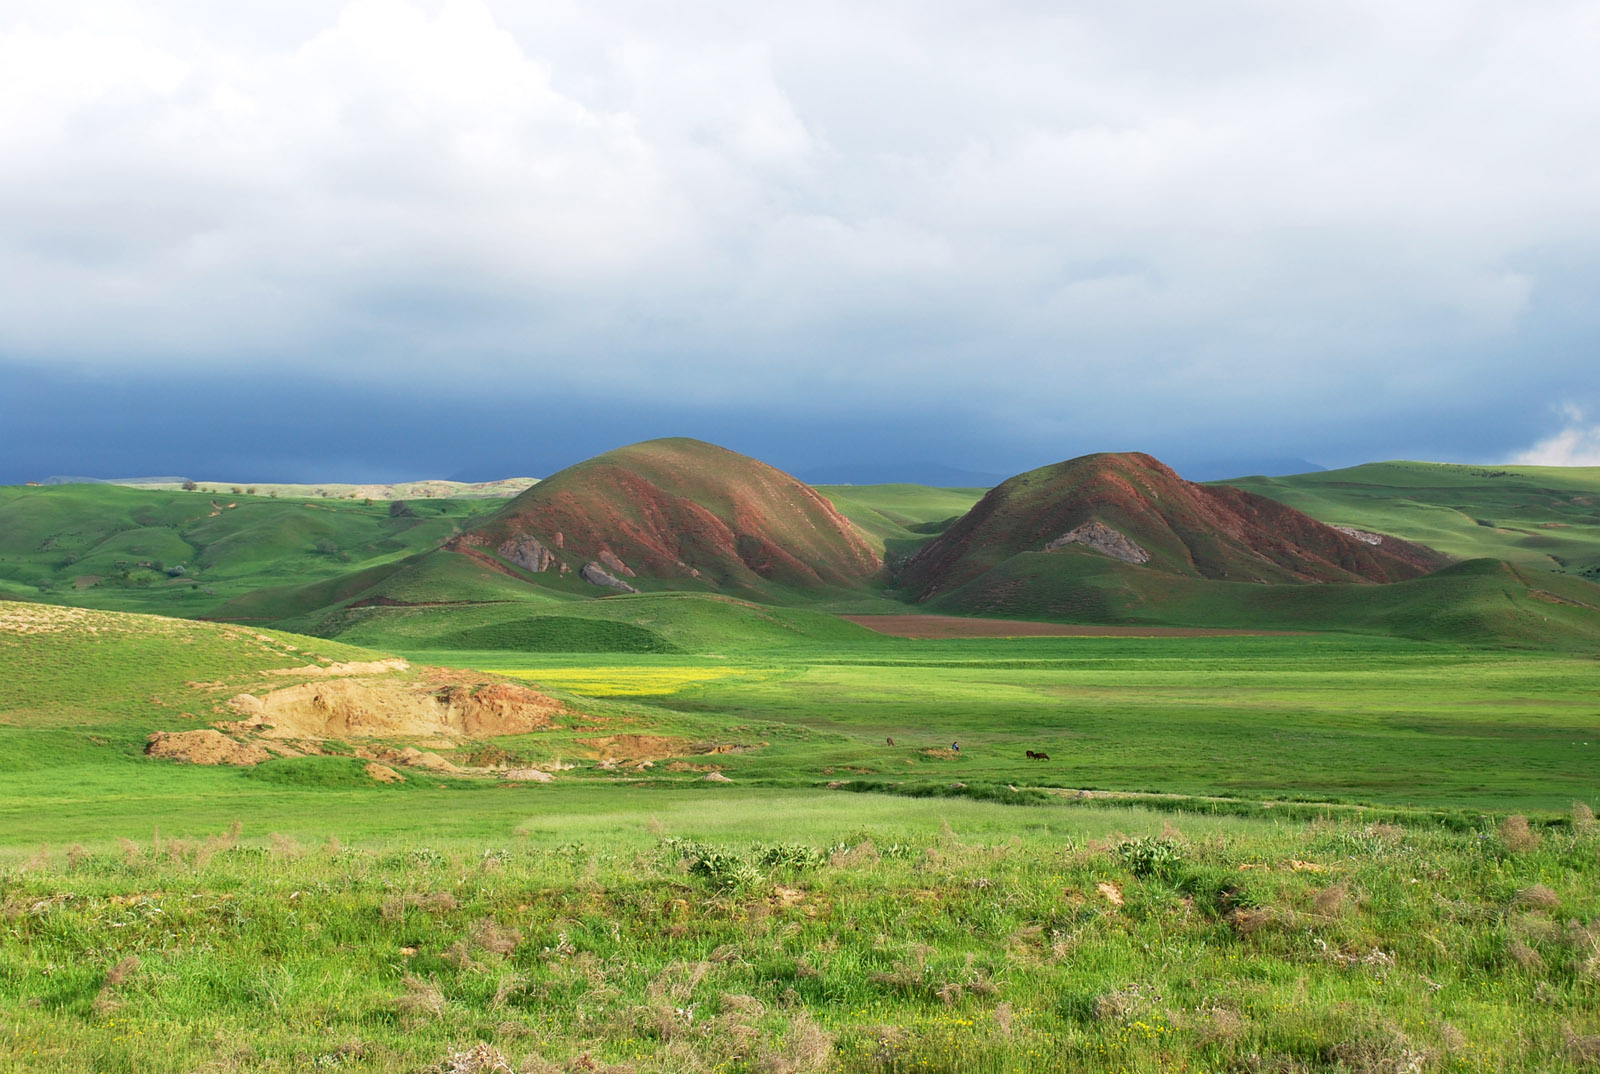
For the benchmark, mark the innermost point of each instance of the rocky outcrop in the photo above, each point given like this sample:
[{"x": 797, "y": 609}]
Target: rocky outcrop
[
  {"x": 595, "y": 574},
  {"x": 528, "y": 553},
  {"x": 1103, "y": 539},
  {"x": 1364, "y": 536},
  {"x": 609, "y": 560}
]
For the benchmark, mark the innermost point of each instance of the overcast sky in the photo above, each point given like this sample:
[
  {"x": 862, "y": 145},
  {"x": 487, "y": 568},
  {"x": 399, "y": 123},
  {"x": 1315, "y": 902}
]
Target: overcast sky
[{"x": 395, "y": 238}]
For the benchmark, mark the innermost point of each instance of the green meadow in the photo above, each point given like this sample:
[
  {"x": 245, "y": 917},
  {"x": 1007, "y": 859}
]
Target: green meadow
[{"x": 1300, "y": 853}]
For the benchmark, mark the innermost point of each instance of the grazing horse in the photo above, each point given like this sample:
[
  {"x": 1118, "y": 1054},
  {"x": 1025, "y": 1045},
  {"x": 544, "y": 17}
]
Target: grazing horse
[{"x": 1041, "y": 756}]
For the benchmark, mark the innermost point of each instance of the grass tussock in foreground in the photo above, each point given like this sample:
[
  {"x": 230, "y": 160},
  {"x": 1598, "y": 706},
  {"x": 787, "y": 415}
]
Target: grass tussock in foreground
[{"x": 1241, "y": 947}]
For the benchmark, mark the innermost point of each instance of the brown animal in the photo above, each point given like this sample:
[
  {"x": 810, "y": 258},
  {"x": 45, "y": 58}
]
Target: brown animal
[
  {"x": 1041, "y": 756},
  {"x": 889, "y": 740}
]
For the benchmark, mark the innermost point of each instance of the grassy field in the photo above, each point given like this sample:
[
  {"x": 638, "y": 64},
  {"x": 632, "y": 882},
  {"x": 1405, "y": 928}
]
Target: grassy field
[
  {"x": 1537, "y": 517},
  {"x": 738, "y": 930},
  {"x": 1324, "y": 718}
]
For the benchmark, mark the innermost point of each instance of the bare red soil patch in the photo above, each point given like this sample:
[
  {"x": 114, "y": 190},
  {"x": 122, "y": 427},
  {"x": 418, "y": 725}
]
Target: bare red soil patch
[{"x": 933, "y": 627}]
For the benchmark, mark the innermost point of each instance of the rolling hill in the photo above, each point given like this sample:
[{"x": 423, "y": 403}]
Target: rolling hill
[
  {"x": 191, "y": 553},
  {"x": 1544, "y": 518},
  {"x": 675, "y": 514},
  {"x": 1132, "y": 509}
]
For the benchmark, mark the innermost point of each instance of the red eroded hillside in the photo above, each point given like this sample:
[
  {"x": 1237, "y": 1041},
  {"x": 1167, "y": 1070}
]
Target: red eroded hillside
[
  {"x": 1131, "y": 507},
  {"x": 681, "y": 512}
]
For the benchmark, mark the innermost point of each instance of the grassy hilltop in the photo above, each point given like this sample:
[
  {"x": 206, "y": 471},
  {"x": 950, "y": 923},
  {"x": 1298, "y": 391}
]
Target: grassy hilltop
[
  {"x": 1543, "y": 518},
  {"x": 189, "y": 553}
]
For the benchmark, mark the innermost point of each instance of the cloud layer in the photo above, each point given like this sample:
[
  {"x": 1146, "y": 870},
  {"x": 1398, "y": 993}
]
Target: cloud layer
[{"x": 1297, "y": 228}]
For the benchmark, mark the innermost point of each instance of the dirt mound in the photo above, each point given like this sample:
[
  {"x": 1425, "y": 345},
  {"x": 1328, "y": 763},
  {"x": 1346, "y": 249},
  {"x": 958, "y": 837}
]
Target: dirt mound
[
  {"x": 436, "y": 709},
  {"x": 382, "y": 773},
  {"x": 676, "y": 511},
  {"x": 527, "y": 775},
  {"x": 205, "y": 747},
  {"x": 637, "y": 747},
  {"x": 352, "y": 667},
  {"x": 1135, "y": 509},
  {"x": 631, "y": 749},
  {"x": 387, "y": 708}
]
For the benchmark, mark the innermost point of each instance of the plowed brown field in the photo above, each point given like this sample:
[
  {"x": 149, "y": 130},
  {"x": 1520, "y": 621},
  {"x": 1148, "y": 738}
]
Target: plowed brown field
[{"x": 928, "y": 627}]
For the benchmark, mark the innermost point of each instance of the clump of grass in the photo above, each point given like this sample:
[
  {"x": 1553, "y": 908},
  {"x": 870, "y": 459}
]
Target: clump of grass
[
  {"x": 1517, "y": 835},
  {"x": 1524, "y": 956},
  {"x": 1538, "y": 897},
  {"x": 1331, "y": 901},
  {"x": 1151, "y": 857},
  {"x": 478, "y": 1059},
  {"x": 106, "y": 1000},
  {"x": 421, "y": 1003},
  {"x": 1582, "y": 818}
]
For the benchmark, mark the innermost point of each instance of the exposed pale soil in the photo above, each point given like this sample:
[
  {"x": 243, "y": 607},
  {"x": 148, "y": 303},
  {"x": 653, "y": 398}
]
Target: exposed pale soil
[
  {"x": 363, "y": 700},
  {"x": 205, "y": 747},
  {"x": 387, "y": 708}
]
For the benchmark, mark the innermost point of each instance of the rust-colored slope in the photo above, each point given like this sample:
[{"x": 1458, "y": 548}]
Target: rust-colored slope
[
  {"x": 1160, "y": 520},
  {"x": 679, "y": 512}
]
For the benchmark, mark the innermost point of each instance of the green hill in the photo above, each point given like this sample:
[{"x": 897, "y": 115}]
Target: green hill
[
  {"x": 640, "y": 623},
  {"x": 1539, "y": 517},
  {"x": 191, "y": 553},
  {"x": 675, "y": 514},
  {"x": 1131, "y": 508}
]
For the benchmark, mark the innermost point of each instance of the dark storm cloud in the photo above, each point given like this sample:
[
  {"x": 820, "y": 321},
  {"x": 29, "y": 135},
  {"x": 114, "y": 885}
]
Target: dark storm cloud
[{"x": 982, "y": 236}]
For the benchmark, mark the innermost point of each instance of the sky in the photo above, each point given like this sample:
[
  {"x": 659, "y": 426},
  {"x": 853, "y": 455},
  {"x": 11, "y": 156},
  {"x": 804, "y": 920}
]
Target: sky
[{"x": 390, "y": 239}]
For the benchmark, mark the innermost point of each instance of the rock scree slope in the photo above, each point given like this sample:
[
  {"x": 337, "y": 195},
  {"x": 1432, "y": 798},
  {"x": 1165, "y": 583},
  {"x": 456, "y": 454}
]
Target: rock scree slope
[
  {"x": 675, "y": 513},
  {"x": 1132, "y": 508}
]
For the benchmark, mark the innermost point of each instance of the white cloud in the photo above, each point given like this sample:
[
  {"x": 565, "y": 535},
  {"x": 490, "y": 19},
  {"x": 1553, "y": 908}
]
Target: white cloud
[
  {"x": 1577, "y": 444},
  {"x": 1198, "y": 207}
]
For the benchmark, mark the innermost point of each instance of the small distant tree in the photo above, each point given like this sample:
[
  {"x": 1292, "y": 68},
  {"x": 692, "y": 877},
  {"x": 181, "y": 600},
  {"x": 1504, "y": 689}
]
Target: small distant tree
[
  {"x": 273, "y": 494},
  {"x": 327, "y": 547},
  {"x": 251, "y": 490},
  {"x": 237, "y": 490},
  {"x": 189, "y": 486},
  {"x": 401, "y": 509}
]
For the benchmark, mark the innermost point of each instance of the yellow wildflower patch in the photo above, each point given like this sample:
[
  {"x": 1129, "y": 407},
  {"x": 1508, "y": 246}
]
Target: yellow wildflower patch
[{"x": 622, "y": 681}]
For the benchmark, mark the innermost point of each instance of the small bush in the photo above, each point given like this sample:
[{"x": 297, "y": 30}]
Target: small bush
[{"x": 1151, "y": 857}]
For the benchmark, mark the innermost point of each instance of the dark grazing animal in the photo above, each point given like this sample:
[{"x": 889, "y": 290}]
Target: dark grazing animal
[
  {"x": 1041, "y": 756},
  {"x": 890, "y": 740}
]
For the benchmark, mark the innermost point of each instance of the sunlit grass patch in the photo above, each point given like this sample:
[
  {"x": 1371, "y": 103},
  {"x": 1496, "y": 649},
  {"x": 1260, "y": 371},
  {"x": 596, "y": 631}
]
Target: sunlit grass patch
[{"x": 616, "y": 680}]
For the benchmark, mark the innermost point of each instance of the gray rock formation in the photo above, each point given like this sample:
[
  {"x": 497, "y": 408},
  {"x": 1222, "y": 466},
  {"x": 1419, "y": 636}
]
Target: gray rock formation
[
  {"x": 613, "y": 564},
  {"x": 528, "y": 553},
  {"x": 595, "y": 574},
  {"x": 1103, "y": 539}
]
